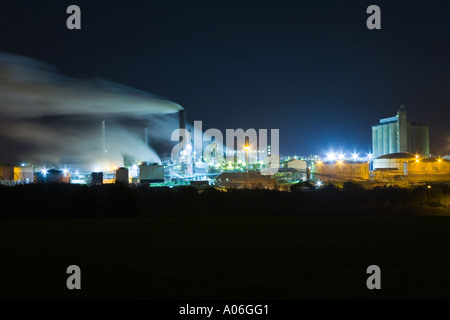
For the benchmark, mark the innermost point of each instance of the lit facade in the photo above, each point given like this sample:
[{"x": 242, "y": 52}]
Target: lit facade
[{"x": 396, "y": 135}]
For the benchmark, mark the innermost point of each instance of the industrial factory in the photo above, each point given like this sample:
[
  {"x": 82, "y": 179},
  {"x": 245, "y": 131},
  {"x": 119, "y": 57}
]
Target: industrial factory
[
  {"x": 96, "y": 132},
  {"x": 391, "y": 162}
]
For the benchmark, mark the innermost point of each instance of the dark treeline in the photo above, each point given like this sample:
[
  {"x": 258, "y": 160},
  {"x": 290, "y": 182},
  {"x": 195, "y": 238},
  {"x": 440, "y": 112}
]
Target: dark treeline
[{"x": 65, "y": 200}]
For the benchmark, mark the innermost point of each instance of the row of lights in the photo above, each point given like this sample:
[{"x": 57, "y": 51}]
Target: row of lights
[
  {"x": 355, "y": 156},
  {"x": 44, "y": 171}
]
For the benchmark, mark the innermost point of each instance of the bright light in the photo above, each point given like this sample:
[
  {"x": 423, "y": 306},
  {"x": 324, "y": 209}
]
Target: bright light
[
  {"x": 340, "y": 162},
  {"x": 247, "y": 148},
  {"x": 319, "y": 183},
  {"x": 369, "y": 155},
  {"x": 417, "y": 156},
  {"x": 319, "y": 162},
  {"x": 439, "y": 159},
  {"x": 44, "y": 171},
  {"x": 22, "y": 165},
  {"x": 341, "y": 156},
  {"x": 331, "y": 156},
  {"x": 65, "y": 171},
  {"x": 355, "y": 156}
]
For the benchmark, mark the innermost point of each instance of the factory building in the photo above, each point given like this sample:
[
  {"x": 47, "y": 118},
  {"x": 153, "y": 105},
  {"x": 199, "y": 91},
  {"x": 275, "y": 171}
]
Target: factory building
[
  {"x": 397, "y": 135},
  {"x": 151, "y": 173},
  {"x": 24, "y": 174},
  {"x": 289, "y": 175},
  {"x": 409, "y": 167},
  {"x": 6, "y": 173},
  {"x": 121, "y": 175},
  {"x": 14, "y": 174},
  {"x": 342, "y": 170},
  {"x": 52, "y": 176},
  {"x": 299, "y": 165},
  {"x": 250, "y": 179},
  {"x": 393, "y": 161}
]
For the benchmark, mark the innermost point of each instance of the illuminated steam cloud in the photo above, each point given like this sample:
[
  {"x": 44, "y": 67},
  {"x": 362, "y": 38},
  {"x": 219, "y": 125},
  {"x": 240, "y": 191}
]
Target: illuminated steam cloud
[{"x": 40, "y": 112}]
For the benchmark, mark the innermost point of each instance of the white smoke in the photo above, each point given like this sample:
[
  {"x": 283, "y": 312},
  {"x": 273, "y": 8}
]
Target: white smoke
[{"x": 37, "y": 104}]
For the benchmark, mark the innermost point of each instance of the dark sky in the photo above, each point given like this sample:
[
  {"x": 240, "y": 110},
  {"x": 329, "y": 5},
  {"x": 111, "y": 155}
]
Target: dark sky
[{"x": 309, "y": 68}]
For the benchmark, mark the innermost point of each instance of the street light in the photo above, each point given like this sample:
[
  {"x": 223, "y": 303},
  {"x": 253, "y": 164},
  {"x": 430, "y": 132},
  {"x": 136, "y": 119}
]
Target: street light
[{"x": 247, "y": 149}]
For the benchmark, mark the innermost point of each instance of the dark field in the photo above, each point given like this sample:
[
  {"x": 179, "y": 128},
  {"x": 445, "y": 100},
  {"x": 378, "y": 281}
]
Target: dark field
[{"x": 226, "y": 258}]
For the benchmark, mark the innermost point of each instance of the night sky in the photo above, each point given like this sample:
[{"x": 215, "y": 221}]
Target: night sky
[{"x": 309, "y": 68}]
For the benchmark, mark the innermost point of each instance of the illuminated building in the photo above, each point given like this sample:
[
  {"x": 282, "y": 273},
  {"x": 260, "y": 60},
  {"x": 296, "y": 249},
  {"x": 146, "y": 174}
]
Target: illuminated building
[
  {"x": 409, "y": 167},
  {"x": 396, "y": 135},
  {"x": 341, "y": 170}
]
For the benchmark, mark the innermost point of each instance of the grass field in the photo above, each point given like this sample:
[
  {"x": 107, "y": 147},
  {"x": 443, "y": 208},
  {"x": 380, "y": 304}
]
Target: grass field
[{"x": 226, "y": 258}]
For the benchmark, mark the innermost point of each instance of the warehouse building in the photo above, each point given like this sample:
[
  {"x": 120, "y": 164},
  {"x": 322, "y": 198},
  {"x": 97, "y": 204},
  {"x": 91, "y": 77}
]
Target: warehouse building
[
  {"x": 342, "y": 170},
  {"x": 299, "y": 165}
]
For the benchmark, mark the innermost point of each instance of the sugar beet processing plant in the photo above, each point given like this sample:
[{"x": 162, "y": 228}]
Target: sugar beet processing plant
[{"x": 85, "y": 131}]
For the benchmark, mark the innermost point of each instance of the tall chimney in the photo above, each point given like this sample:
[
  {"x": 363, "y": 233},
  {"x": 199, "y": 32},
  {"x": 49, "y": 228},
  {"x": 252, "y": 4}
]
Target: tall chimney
[{"x": 182, "y": 115}]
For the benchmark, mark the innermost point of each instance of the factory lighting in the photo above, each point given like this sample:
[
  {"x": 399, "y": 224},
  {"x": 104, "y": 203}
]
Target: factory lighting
[
  {"x": 341, "y": 156},
  {"x": 331, "y": 156},
  {"x": 319, "y": 183},
  {"x": 355, "y": 156},
  {"x": 65, "y": 171},
  {"x": 44, "y": 171},
  {"x": 339, "y": 162},
  {"x": 369, "y": 155},
  {"x": 247, "y": 148}
]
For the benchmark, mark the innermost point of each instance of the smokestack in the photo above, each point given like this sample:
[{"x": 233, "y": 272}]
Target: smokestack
[{"x": 182, "y": 115}]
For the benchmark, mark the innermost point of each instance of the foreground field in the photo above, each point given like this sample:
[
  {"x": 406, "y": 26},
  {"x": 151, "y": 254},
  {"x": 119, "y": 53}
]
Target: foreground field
[{"x": 226, "y": 258}]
